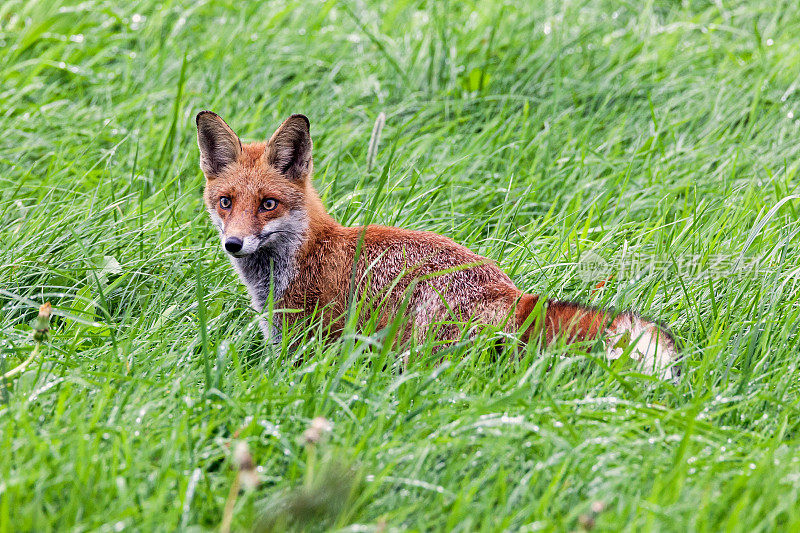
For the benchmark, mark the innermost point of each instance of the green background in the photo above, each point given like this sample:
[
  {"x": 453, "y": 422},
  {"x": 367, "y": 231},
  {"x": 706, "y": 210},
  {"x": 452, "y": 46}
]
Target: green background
[{"x": 534, "y": 133}]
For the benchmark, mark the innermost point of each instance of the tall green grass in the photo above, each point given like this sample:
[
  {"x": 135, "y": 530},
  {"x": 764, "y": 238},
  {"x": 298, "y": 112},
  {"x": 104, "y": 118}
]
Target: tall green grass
[{"x": 533, "y": 132}]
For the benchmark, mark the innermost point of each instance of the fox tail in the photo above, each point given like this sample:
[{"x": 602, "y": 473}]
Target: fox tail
[{"x": 646, "y": 341}]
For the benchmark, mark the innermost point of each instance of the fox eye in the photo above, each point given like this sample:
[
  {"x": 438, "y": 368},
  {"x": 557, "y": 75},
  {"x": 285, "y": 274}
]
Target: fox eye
[
  {"x": 269, "y": 204},
  {"x": 225, "y": 202}
]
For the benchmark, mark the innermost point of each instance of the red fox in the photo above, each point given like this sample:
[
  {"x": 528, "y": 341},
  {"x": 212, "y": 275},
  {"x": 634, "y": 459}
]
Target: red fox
[{"x": 281, "y": 240}]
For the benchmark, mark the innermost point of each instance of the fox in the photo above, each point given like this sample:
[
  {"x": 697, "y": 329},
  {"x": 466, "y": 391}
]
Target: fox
[{"x": 284, "y": 245}]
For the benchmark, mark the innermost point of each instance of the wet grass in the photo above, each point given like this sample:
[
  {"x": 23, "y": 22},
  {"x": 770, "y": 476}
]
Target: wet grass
[{"x": 661, "y": 139}]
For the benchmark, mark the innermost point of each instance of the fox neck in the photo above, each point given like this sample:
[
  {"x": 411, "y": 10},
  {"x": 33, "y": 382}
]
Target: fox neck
[
  {"x": 272, "y": 269},
  {"x": 319, "y": 222},
  {"x": 267, "y": 270}
]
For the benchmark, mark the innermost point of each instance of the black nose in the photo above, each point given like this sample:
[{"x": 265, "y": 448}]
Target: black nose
[{"x": 233, "y": 244}]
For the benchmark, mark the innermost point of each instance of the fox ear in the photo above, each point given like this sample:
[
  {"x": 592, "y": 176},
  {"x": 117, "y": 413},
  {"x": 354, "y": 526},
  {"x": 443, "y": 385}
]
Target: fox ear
[
  {"x": 289, "y": 148},
  {"x": 219, "y": 145}
]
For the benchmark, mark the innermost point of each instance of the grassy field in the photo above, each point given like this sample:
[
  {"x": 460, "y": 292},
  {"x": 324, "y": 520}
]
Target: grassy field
[{"x": 659, "y": 139}]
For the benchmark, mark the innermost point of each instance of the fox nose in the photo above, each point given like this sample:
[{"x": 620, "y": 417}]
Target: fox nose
[{"x": 233, "y": 244}]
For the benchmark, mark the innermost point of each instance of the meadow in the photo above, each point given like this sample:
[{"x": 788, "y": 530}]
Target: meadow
[{"x": 659, "y": 139}]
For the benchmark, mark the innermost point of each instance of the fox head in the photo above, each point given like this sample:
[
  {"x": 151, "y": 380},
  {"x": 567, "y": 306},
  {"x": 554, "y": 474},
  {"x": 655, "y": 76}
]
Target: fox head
[{"x": 257, "y": 194}]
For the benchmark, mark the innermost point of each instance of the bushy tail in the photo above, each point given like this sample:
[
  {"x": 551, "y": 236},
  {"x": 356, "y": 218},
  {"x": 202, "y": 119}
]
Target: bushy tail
[{"x": 645, "y": 340}]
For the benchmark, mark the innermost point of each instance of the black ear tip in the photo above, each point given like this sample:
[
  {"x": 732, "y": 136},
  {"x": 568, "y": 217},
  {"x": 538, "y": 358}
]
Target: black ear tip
[
  {"x": 302, "y": 117},
  {"x": 202, "y": 114}
]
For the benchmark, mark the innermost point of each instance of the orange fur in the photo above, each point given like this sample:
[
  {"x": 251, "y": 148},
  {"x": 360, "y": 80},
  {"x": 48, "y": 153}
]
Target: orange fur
[{"x": 439, "y": 284}]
